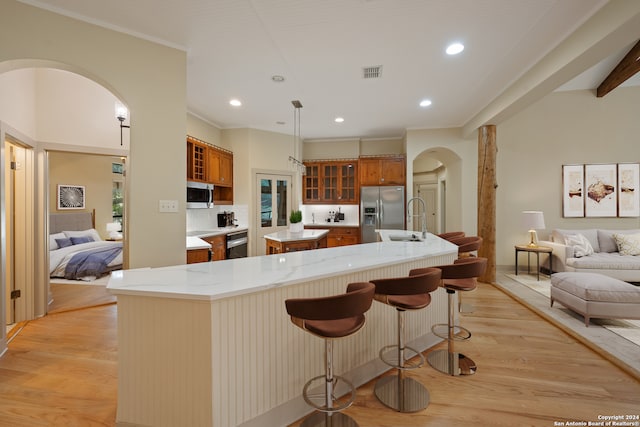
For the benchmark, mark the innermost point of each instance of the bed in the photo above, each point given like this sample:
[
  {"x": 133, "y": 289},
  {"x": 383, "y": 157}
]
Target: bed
[{"x": 76, "y": 250}]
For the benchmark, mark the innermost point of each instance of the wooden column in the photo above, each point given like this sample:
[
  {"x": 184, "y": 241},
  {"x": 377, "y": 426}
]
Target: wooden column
[{"x": 487, "y": 188}]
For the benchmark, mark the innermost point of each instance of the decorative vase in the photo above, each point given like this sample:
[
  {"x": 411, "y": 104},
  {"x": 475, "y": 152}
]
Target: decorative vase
[{"x": 296, "y": 227}]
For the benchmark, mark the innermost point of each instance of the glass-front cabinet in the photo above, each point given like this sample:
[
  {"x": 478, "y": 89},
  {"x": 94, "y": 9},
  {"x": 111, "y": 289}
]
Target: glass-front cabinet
[{"x": 331, "y": 182}]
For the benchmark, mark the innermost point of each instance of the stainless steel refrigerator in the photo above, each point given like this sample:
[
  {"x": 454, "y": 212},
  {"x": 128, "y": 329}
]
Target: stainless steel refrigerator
[{"x": 381, "y": 208}]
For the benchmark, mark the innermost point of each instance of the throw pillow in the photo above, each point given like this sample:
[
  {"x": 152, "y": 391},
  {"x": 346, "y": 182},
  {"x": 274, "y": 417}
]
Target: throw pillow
[
  {"x": 628, "y": 244},
  {"x": 79, "y": 240},
  {"x": 580, "y": 244},
  {"x": 64, "y": 242}
]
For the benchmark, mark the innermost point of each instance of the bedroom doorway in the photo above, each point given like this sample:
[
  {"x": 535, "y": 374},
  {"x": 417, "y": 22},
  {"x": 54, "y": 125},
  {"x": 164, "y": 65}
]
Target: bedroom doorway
[
  {"x": 103, "y": 178},
  {"x": 19, "y": 229}
]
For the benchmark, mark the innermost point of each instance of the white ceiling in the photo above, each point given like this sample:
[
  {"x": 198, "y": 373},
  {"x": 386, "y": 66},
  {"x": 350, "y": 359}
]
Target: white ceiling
[{"x": 234, "y": 47}]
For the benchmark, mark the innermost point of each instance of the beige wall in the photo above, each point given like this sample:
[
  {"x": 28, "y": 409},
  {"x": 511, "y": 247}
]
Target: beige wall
[
  {"x": 563, "y": 128},
  {"x": 18, "y": 100},
  {"x": 204, "y": 131},
  {"x": 151, "y": 81},
  {"x": 91, "y": 171}
]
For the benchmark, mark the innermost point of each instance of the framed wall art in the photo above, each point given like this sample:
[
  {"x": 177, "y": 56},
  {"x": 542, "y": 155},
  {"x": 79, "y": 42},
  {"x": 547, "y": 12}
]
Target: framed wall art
[
  {"x": 573, "y": 191},
  {"x": 70, "y": 196},
  {"x": 628, "y": 192},
  {"x": 600, "y": 186}
]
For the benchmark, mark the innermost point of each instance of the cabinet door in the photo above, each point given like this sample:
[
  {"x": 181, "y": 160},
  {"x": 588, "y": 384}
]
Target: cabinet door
[
  {"x": 393, "y": 171},
  {"x": 196, "y": 161},
  {"x": 329, "y": 182},
  {"x": 226, "y": 169},
  {"x": 197, "y": 255},
  {"x": 311, "y": 184},
  {"x": 348, "y": 192},
  {"x": 369, "y": 171}
]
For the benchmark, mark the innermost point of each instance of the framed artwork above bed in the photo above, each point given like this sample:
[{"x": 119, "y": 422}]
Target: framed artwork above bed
[{"x": 70, "y": 196}]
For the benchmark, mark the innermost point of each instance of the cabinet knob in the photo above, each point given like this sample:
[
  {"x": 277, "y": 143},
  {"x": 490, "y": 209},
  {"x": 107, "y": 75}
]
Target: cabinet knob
[{"x": 381, "y": 179}]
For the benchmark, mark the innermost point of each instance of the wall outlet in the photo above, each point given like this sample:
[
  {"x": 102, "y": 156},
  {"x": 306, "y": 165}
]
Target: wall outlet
[{"x": 168, "y": 206}]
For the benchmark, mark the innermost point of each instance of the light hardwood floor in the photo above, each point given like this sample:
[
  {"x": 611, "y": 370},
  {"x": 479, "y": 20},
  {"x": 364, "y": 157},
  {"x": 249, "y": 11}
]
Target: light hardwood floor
[{"x": 61, "y": 370}]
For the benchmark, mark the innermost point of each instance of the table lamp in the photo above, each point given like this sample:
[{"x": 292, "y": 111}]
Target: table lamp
[
  {"x": 113, "y": 229},
  {"x": 533, "y": 220}
]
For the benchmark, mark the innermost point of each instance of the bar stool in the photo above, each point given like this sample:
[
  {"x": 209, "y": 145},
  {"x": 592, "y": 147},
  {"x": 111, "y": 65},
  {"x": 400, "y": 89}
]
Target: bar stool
[
  {"x": 460, "y": 276},
  {"x": 451, "y": 235},
  {"x": 331, "y": 317},
  {"x": 466, "y": 245},
  {"x": 404, "y": 293}
]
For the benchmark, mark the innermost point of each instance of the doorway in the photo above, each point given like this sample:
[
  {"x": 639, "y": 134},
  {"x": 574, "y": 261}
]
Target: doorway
[
  {"x": 273, "y": 206},
  {"x": 19, "y": 229}
]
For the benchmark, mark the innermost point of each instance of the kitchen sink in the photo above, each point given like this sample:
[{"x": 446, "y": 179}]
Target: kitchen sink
[{"x": 405, "y": 238}]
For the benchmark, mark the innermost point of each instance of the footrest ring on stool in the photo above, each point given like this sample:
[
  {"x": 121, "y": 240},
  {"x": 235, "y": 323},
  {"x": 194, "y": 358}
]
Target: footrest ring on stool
[
  {"x": 460, "y": 333},
  {"x": 392, "y": 359},
  {"x": 320, "y": 396}
]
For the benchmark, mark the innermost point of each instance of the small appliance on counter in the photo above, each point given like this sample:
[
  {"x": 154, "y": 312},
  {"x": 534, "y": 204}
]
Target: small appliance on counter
[{"x": 226, "y": 219}]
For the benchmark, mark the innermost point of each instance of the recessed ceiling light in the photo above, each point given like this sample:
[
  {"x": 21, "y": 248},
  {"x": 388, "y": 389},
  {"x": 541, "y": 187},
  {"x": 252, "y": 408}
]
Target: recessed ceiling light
[
  {"x": 235, "y": 102},
  {"x": 425, "y": 102},
  {"x": 339, "y": 119},
  {"x": 277, "y": 78},
  {"x": 455, "y": 48}
]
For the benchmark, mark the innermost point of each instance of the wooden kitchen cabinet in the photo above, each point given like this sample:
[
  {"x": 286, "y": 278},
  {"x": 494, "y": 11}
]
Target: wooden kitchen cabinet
[
  {"x": 331, "y": 182},
  {"x": 383, "y": 170},
  {"x": 197, "y": 255},
  {"x": 213, "y": 165},
  {"x": 340, "y": 236},
  {"x": 196, "y": 160},
  {"x": 218, "y": 246}
]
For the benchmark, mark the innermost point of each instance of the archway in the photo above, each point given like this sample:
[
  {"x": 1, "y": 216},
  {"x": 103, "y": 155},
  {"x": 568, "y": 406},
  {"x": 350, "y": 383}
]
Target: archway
[{"x": 63, "y": 110}]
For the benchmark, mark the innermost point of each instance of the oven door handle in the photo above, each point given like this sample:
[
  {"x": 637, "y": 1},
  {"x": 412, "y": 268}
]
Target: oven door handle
[{"x": 237, "y": 242}]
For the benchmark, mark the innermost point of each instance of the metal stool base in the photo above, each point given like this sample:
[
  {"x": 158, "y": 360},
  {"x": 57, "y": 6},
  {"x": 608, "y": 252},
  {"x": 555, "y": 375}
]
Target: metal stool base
[
  {"x": 341, "y": 386},
  {"x": 451, "y": 363},
  {"x": 324, "y": 419},
  {"x": 402, "y": 394}
]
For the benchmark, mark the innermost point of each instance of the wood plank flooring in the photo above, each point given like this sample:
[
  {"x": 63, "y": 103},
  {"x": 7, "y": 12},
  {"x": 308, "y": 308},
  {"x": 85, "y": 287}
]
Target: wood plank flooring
[{"x": 62, "y": 370}]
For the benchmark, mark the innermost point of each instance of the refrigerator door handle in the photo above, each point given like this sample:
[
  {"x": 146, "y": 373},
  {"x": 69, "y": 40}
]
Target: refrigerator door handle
[{"x": 381, "y": 213}]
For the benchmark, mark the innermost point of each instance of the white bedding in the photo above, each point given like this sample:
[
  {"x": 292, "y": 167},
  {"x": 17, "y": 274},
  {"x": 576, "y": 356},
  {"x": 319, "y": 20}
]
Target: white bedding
[{"x": 59, "y": 258}]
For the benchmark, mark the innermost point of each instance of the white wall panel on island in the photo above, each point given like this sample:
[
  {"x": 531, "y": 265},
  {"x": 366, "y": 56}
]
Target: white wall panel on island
[{"x": 212, "y": 345}]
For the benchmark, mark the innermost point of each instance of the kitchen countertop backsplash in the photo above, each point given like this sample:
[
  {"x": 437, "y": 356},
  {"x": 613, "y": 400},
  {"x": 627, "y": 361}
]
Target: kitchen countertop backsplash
[
  {"x": 207, "y": 219},
  {"x": 319, "y": 214}
]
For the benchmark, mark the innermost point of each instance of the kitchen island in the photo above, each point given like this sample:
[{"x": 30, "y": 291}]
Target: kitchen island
[
  {"x": 286, "y": 241},
  {"x": 211, "y": 344}
]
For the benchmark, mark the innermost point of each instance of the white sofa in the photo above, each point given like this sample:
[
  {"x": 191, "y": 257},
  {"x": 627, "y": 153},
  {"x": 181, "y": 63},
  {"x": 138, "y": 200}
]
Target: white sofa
[{"x": 605, "y": 259}]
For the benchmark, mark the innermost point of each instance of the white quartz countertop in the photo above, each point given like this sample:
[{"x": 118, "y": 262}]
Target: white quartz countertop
[
  {"x": 331, "y": 224},
  {"x": 287, "y": 236},
  {"x": 215, "y": 231},
  {"x": 222, "y": 279},
  {"x": 196, "y": 243}
]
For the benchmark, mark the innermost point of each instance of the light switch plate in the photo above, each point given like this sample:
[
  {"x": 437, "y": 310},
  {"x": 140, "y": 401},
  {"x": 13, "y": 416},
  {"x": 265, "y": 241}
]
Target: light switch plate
[{"x": 168, "y": 206}]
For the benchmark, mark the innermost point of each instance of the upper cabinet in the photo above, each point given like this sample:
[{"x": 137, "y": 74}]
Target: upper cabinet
[
  {"x": 213, "y": 165},
  {"x": 331, "y": 182},
  {"x": 383, "y": 170},
  {"x": 220, "y": 164}
]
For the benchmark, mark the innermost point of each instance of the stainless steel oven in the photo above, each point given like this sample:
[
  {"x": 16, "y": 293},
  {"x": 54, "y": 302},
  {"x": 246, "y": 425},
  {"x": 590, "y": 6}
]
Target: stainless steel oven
[{"x": 237, "y": 244}]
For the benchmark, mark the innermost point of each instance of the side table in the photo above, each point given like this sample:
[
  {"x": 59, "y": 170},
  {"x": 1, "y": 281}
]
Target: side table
[{"x": 536, "y": 250}]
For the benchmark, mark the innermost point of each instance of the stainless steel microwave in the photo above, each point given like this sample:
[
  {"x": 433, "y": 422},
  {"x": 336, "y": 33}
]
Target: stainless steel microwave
[{"x": 199, "y": 195}]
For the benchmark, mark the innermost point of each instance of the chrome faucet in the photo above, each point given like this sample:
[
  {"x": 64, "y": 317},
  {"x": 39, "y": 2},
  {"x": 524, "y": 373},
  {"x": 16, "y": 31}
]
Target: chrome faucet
[{"x": 423, "y": 216}]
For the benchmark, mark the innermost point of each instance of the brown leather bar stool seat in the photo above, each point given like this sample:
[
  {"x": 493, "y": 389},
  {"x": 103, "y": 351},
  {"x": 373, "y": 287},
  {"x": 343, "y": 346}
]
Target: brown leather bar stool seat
[
  {"x": 457, "y": 277},
  {"x": 451, "y": 235},
  {"x": 398, "y": 392},
  {"x": 330, "y": 318},
  {"x": 466, "y": 245}
]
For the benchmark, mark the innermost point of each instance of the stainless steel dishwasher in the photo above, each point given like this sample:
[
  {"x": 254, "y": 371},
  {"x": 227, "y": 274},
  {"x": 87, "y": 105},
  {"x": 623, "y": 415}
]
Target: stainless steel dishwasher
[{"x": 237, "y": 244}]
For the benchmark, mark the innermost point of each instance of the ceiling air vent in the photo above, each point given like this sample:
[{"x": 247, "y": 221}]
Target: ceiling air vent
[{"x": 372, "y": 72}]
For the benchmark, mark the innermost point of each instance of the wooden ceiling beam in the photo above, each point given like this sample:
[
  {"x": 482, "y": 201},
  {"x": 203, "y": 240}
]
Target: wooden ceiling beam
[{"x": 629, "y": 65}]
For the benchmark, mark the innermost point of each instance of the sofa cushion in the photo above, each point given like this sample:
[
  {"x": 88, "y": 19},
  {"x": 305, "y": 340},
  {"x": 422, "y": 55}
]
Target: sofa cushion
[
  {"x": 605, "y": 261},
  {"x": 560, "y": 236},
  {"x": 607, "y": 243},
  {"x": 580, "y": 244},
  {"x": 596, "y": 287},
  {"x": 628, "y": 244}
]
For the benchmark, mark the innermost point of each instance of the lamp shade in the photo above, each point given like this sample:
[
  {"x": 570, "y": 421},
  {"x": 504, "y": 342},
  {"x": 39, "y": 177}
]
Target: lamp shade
[
  {"x": 113, "y": 226},
  {"x": 533, "y": 220}
]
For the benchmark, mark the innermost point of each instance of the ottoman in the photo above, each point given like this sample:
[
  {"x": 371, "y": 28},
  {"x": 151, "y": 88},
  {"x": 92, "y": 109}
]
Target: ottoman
[{"x": 596, "y": 295}]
